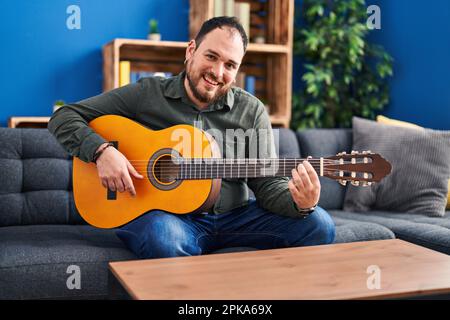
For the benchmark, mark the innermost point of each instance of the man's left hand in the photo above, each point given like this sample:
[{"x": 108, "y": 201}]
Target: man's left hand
[{"x": 305, "y": 185}]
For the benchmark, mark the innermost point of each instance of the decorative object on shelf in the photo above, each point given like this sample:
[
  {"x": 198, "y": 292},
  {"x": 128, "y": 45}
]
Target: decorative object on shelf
[
  {"x": 136, "y": 75},
  {"x": 153, "y": 32},
  {"x": 259, "y": 39},
  {"x": 344, "y": 75},
  {"x": 58, "y": 104}
]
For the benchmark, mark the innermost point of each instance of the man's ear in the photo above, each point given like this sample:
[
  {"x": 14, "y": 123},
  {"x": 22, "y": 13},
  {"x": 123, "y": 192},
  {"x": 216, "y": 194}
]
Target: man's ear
[{"x": 190, "y": 49}]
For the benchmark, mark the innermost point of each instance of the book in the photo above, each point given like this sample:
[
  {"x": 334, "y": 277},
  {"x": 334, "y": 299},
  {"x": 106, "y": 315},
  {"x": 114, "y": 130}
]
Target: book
[
  {"x": 124, "y": 73},
  {"x": 228, "y": 8},
  {"x": 250, "y": 83},
  {"x": 218, "y": 8},
  {"x": 242, "y": 12}
]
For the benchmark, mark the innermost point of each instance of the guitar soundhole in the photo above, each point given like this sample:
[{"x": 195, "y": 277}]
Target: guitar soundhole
[
  {"x": 165, "y": 170},
  {"x": 162, "y": 170}
]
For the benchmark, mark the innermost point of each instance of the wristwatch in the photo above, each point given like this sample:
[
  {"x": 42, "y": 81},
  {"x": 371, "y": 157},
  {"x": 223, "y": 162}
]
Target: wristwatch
[{"x": 305, "y": 211}]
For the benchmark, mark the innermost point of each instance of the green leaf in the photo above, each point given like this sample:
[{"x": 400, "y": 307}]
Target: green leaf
[
  {"x": 325, "y": 52},
  {"x": 315, "y": 10},
  {"x": 309, "y": 77}
]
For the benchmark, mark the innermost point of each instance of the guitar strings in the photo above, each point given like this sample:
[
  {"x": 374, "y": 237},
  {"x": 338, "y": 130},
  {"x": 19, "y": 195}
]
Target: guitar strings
[
  {"x": 190, "y": 168},
  {"x": 243, "y": 167},
  {"x": 185, "y": 160},
  {"x": 231, "y": 162},
  {"x": 225, "y": 173},
  {"x": 222, "y": 167},
  {"x": 172, "y": 177}
]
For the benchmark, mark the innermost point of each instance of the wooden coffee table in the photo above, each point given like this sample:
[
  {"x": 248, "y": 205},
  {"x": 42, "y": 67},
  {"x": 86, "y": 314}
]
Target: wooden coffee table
[{"x": 338, "y": 271}]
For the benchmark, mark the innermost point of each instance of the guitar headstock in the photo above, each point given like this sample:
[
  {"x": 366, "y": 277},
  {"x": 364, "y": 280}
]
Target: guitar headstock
[{"x": 361, "y": 169}]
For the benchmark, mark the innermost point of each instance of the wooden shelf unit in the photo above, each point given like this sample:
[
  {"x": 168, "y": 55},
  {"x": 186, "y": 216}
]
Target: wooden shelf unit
[
  {"x": 28, "y": 122},
  {"x": 270, "y": 63}
]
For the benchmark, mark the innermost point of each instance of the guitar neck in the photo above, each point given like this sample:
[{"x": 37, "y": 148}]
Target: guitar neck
[{"x": 191, "y": 169}]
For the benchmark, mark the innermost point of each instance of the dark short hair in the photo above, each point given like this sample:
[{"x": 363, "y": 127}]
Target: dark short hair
[{"x": 219, "y": 22}]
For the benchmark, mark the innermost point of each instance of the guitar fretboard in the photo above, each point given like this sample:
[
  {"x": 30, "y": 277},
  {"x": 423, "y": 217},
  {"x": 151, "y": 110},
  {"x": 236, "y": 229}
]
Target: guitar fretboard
[{"x": 189, "y": 169}]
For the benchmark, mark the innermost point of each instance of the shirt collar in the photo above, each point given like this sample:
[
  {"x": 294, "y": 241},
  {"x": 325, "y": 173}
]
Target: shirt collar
[{"x": 174, "y": 88}]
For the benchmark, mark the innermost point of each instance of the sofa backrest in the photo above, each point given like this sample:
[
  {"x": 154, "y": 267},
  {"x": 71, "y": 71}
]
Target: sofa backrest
[
  {"x": 322, "y": 143},
  {"x": 35, "y": 176},
  {"x": 286, "y": 143}
]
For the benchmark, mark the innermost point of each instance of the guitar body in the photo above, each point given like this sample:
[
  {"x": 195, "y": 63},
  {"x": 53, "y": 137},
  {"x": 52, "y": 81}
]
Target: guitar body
[{"x": 144, "y": 148}]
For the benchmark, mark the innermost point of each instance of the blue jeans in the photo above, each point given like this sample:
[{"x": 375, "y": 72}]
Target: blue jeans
[{"x": 159, "y": 234}]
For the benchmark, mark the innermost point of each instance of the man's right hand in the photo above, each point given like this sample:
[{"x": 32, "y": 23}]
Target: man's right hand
[{"x": 115, "y": 171}]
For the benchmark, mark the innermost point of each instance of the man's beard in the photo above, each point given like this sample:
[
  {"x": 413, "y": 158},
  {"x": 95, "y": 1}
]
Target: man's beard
[{"x": 194, "y": 81}]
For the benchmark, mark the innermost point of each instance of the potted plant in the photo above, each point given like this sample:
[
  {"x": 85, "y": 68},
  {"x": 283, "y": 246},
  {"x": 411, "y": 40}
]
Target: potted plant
[
  {"x": 58, "y": 104},
  {"x": 153, "y": 33},
  {"x": 343, "y": 74}
]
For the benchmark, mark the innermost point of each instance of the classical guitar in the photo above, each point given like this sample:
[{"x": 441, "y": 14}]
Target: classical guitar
[{"x": 183, "y": 177}]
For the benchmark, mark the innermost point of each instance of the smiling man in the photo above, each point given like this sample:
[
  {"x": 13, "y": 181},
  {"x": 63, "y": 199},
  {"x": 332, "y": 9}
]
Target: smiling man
[
  {"x": 211, "y": 70},
  {"x": 285, "y": 212}
]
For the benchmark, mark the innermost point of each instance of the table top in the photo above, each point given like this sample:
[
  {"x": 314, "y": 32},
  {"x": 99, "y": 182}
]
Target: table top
[{"x": 357, "y": 270}]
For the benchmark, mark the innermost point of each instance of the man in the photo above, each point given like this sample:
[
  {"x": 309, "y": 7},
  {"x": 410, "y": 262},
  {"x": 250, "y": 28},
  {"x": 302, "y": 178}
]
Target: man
[{"x": 285, "y": 212}]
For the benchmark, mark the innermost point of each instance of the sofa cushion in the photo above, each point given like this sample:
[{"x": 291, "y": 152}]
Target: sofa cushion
[
  {"x": 36, "y": 179},
  {"x": 350, "y": 230},
  {"x": 34, "y": 261},
  {"x": 326, "y": 142},
  {"x": 286, "y": 143},
  {"x": 420, "y": 169},
  {"x": 430, "y": 232},
  {"x": 394, "y": 122}
]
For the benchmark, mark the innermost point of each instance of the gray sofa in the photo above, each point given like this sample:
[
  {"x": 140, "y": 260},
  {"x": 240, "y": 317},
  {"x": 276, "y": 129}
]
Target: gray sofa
[{"x": 42, "y": 235}]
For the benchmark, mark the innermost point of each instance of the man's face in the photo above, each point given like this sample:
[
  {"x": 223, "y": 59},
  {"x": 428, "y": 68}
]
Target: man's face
[{"x": 211, "y": 69}]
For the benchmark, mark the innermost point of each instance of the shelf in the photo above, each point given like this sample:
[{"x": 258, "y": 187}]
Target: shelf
[
  {"x": 252, "y": 47},
  {"x": 279, "y": 121},
  {"x": 28, "y": 122}
]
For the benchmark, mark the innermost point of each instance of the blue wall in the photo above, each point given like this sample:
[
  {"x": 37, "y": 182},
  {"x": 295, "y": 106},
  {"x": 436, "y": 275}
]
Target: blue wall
[
  {"x": 42, "y": 61},
  {"x": 417, "y": 34}
]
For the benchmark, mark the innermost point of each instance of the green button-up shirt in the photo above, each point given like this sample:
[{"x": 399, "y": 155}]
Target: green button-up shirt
[{"x": 159, "y": 103}]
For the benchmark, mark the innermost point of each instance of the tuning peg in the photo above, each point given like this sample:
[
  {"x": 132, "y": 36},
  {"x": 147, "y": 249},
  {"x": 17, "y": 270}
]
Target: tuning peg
[
  {"x": 355, "y": 152},
  {"x": 369, "y": 183},
  {"x": 343, "y": 182},
  {"x": 355, "y": 182}
]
